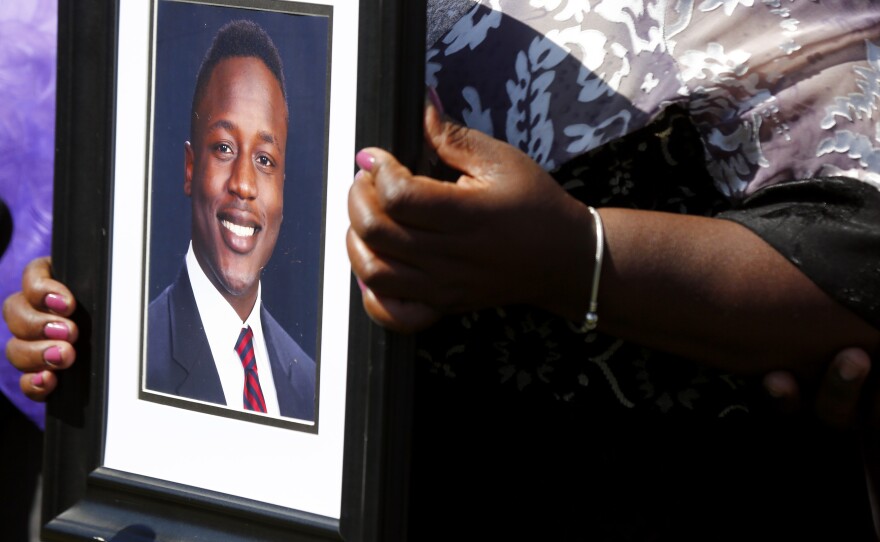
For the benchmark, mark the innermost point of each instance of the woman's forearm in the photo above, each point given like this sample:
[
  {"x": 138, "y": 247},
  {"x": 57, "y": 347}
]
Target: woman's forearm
[{"x": 711, "y": 290}]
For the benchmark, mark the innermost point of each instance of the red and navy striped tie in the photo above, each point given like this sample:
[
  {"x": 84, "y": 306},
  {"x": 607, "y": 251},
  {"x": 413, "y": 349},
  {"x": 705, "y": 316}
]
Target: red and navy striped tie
[{"x": 253, "y": 395}]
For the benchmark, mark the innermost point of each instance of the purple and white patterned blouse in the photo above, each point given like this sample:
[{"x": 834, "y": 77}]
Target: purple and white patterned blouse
[{"x": 779, "y": 89}]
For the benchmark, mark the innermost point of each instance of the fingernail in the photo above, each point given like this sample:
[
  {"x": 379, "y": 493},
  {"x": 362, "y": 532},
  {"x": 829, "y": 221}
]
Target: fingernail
[
  {"x": 361, "y": 284},
  {"x": 774, "y": 386},
  {"x": 37, "y": 380},
  {"x": 56, "y": 302},
  {"x": 850, "y": 370},
  {"x": 55, "y": 330},
  {"x": 435, "y": 99},
  {"x": 52, "y": 356},
  {"x": 359, "y": 175},
  {"x": 365, "y": 160}
]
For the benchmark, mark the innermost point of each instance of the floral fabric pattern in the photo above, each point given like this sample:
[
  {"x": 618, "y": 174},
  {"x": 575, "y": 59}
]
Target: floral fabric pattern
[{"x": 778, "y": 89}]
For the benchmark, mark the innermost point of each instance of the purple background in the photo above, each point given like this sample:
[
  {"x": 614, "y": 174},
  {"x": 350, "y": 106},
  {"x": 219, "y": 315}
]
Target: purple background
[{"x": 28, "y": 32}]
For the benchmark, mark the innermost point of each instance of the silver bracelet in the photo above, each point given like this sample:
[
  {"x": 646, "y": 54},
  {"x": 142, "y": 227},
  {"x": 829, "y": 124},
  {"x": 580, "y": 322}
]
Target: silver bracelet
[{"x": 591, "y": 319}]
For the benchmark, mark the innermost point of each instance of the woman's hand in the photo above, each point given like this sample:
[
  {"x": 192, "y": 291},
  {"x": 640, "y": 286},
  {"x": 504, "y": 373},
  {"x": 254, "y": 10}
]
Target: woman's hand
[
  {"x": 845, "y": 398},
  {"x": 505, "y": 232},
  {"x": 43, "y": 334}
]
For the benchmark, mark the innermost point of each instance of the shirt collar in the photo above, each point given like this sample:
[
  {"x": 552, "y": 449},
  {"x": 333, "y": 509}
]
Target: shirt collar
[{"x": 216, "y": 313}]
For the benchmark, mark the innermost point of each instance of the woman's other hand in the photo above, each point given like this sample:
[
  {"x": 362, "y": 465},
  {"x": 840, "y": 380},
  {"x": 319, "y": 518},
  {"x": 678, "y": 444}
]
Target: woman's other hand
[{"x": 43, "y": 334}]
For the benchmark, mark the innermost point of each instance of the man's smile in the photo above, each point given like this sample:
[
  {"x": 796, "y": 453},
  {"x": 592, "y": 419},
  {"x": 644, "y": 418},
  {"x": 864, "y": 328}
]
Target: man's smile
[{"x": 241, "y": 231}]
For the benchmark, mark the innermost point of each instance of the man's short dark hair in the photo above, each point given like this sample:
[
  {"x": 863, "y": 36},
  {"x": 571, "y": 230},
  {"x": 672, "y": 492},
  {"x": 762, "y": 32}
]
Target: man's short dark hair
[{"x": 241, "y": 38}]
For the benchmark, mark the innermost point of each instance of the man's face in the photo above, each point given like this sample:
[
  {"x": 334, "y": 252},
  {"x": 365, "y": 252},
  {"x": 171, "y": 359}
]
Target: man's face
[{"x": 235, "y": 176}]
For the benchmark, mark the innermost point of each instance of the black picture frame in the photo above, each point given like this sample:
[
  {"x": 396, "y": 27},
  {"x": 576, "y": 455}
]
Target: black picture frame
[{"x": 83, "y": 499}]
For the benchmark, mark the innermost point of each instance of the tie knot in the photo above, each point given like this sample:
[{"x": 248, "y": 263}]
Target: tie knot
[
  {"x": 244, "y": 346},
  {"x": 253, "y": 395}
]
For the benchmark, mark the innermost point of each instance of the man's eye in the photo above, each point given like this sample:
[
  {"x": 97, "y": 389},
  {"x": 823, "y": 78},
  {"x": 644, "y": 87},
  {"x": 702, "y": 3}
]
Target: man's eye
[
  {"x": 223, "y": 148},
  {"x": 265, "y": 161}
]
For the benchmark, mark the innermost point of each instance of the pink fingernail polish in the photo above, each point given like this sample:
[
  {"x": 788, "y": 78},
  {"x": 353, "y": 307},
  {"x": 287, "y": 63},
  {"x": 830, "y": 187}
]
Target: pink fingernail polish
[
  {"x": 365, "y": 160},
  {"x": 435, "y": 99},
  {"x": 54, "y": 330},
  {"x": 52, "y": 355},
  {"x": 37, "y": 380},
  {"x": 56, "y": 302},
  {"x": 361, "y": 284},
  {"x": 359, "y": 175}
]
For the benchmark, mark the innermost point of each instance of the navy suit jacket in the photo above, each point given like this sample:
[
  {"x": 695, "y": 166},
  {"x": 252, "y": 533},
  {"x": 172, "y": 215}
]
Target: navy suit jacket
[{"x": 179, "y": 359}]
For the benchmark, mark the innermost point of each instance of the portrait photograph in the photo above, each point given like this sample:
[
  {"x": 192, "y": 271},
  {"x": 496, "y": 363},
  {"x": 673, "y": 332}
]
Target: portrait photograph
[{"x": 237, "y": 166}]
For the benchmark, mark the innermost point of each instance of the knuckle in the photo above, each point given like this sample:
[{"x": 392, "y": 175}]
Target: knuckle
[
  {"x": 7, "y": 307},
  {"x": 32, "y": 325},
  {"x": 16, "y": 353},
  {"x": 454, "y": 135},
  {"x": 73, "y": 333},
  {"x": 393, "y": 184},
  {"x": 459, "y": 136},
  {"x": 372, "y": 228},
  {"x": 36, "y": 288},
  {"x": 396, "y": 193},
  {"x": 30, "y": 390},
  {"x": 370, "y": 269},
  {"x": 26, "y": 388},
  {"x": 351, "y": 244},
  {"x": 358, "y": 192}
]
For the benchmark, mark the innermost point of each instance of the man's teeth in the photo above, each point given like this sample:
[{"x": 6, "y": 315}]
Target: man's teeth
[{"x": 241, "y": 231}]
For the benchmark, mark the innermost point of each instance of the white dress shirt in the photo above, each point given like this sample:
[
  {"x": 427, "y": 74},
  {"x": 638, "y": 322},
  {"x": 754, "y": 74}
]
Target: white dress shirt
[{"x": 222, "y": 327}]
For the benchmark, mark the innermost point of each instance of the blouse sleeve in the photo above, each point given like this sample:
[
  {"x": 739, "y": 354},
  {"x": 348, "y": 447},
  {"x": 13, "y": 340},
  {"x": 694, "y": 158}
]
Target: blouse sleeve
[{"x": 830, "y": 229}]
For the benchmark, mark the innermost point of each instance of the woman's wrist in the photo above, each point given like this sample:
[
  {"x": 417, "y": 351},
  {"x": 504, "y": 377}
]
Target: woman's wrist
[{"x": 567, "y": 288}]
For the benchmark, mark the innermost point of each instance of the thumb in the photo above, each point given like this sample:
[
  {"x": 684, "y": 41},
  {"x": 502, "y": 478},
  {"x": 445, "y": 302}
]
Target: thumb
[{"x": 468, "y": 151}]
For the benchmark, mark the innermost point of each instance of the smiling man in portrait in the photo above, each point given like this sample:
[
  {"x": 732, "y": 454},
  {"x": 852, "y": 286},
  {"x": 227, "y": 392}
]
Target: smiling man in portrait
[{"x": 209, "y": 337}]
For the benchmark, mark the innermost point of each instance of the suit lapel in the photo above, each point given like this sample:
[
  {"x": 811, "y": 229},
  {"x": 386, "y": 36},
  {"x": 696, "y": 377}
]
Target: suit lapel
[
  {"x": 189, "y": 346},
  {"x": 280, "y": 368}
]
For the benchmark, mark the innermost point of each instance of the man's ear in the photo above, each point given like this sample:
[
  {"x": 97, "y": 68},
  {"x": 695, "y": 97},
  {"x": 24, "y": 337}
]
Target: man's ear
[{"x": 188, "y": 168}]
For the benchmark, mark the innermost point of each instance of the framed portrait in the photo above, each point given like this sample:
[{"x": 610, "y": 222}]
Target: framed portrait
[
  {"x": 227, "y": 384},
  {"x": 289, "y": 232}
]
